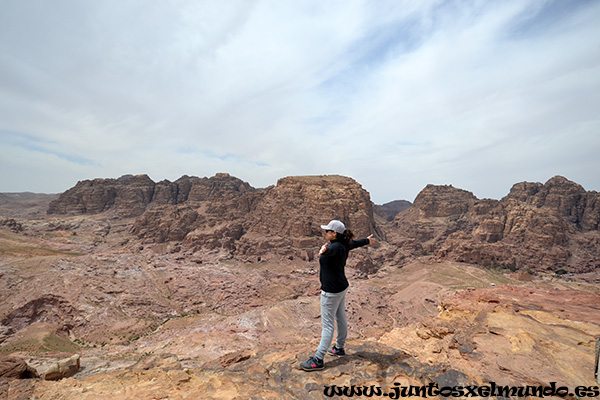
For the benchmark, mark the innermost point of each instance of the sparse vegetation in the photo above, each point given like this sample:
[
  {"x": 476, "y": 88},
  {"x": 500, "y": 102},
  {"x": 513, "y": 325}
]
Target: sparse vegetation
[
  {"x": 49, "y": 343},
  {"x": 31, "y": 251},
  {"x": 512, "y": 268},
  {"x": 561, "y": 271},
  {"x": 133, "y": 338}
]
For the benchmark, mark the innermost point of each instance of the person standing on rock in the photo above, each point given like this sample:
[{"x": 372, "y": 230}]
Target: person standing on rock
[{"x": 334, "y": 286}]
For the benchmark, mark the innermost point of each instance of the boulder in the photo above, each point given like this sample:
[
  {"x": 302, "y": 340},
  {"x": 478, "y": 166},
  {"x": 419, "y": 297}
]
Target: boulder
[
  {"x": 11, "y": 224},
  {"x": 63, "y": 368}
]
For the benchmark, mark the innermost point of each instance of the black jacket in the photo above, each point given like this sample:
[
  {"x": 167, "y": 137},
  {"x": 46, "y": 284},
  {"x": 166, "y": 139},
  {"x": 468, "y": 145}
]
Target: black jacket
[{"x": 332, "y": 262}]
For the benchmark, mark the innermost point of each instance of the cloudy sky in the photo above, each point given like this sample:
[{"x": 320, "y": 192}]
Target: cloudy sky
[{"x": 396, "y": 94}]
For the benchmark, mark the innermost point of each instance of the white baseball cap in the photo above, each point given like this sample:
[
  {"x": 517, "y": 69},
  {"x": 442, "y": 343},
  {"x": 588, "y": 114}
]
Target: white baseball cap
[{"x": 335, "y": 226}]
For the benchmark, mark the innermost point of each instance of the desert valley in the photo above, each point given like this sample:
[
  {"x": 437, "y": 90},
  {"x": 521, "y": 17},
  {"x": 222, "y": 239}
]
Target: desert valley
[{"x": 208, "y": 288}]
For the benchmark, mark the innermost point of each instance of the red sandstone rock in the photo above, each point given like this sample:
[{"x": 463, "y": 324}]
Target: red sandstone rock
[
  {"x": 131, "y": 195},
  {"x": 535, "y": 227},
  {"x": 15, "y": 368}
]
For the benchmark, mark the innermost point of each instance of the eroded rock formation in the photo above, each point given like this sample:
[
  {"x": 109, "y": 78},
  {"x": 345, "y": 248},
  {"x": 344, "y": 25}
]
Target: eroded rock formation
[
  {"x": 282, "y": 220},
  {"x": 536, "y": 226},
  {"x": 130, "y": 196},
  {"x": 15, "y": 368}
]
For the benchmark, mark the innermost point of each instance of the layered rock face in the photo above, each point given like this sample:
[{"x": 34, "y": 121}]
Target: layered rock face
[
  {"x": 536, "y": 226},
  {"x": 12, "y": 367},
  {"x": 216, "y": 204},
  {"x": 298, "y": 206},
  {"x": 571, "y": 201},
  {"x": 282, "y": 220},
  {"x": 130, "y": 196}
]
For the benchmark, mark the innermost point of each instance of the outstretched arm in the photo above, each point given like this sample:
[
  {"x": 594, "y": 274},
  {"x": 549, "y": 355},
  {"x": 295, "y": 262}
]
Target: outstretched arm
[{"x": 362, "y": 242}]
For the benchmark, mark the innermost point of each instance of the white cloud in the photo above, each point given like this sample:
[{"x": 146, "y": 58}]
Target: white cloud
[{"x": 395, "y": 94}]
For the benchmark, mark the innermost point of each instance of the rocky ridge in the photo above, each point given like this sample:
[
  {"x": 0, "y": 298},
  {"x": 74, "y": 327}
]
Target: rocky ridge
[
  {"x": 130, "y": 196},
  {"x": 551, "y": 226},
  {"x": 225, "y": 215}
]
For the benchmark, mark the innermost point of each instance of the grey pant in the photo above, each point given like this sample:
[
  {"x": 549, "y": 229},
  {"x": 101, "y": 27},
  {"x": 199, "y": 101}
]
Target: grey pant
[{"x": 333, "y": 309}]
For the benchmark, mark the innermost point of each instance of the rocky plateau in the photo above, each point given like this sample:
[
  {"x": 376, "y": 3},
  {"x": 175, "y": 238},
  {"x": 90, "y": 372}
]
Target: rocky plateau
[{"x": 208, "y": 288}]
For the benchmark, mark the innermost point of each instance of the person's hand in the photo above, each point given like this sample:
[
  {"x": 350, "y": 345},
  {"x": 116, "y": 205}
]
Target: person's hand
[
  {"x": 371, "y": 239},
  {"x": 323, "y": 248}
]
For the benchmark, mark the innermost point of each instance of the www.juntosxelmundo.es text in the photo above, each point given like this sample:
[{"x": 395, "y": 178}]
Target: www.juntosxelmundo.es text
[{"x": 433, "y": 390}]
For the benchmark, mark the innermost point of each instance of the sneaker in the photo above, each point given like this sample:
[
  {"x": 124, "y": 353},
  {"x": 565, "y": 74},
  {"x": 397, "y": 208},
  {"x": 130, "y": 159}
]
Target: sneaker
[
  {"x": 312, "y": 364},
  {"x": 336, "y": 352}
]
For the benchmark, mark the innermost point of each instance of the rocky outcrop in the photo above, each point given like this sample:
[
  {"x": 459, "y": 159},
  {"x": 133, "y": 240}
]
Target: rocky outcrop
[
  {"x": 536, "y": 226},
  {"x": 443, "y": 201},
  {"x": 282, "y": 220},
  {"x": 205, "y": 213},
  {"x": 130, "y": 196},
  {"x": 15, "y": 368},
  {"x": 299, "y": 205},
  {"x": 46, "y": 308},
  {"x": 163, "y": 224},
  {"x": 506, "y": 330},
  {"x": 295, "y": 207},
  {"x": 570, "y": 200},
  {"x": 63, "y": 368},
  {"x": 11, "y": 224}
]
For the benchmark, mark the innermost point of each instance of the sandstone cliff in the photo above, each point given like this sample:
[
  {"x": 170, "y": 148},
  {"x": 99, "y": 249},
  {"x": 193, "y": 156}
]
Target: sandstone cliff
[
  {"x": 279, "y": 221},
  {"x": 536, "y": 226},
  {"x": 569, "y": 200},
  {"x": 130, "y": 195}
]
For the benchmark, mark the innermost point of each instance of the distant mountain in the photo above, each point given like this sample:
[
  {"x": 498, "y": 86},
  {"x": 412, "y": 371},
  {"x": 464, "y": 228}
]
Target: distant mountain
[
  {"x": 391, "y": 209},
  {"x": 25, "y": 204},
  {"x": 6, "y": 198}
]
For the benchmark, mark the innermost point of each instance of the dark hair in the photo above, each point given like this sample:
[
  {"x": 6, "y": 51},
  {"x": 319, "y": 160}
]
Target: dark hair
[{"x": 345, "y": 237}]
